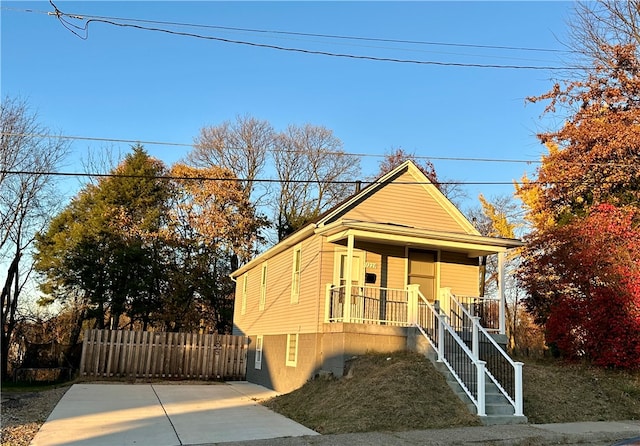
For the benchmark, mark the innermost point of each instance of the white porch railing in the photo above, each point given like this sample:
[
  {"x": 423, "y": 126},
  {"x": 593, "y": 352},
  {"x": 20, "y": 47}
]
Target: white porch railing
[
  {"x": 468, "y": 370},
  {"x": 455, "y": 333},
  {"x": 486, "y": 308},
  {"x": 369, "y": 305},
  {"x": 505, "y": 373}
]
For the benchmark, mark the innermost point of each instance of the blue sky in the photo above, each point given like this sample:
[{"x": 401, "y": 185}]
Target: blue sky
[{"x": 124, "y": 83}]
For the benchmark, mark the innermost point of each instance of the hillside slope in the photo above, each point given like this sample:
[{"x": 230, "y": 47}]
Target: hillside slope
[
  {"x": 397, "y": 391},
  {"x": 403, "y": 391}
]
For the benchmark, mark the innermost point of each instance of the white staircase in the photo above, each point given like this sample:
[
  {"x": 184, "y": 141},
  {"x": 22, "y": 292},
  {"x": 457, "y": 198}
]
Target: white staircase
[{"x": 478, "y": 370}]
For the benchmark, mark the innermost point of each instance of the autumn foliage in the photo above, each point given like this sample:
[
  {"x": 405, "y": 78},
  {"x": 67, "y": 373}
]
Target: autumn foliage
[
  {"x": 581, "y": 267},
  {"x": 589, "y": 292}
]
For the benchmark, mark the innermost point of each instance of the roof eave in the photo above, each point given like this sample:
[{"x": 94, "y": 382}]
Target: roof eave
[{"x": 292, "y": 240}]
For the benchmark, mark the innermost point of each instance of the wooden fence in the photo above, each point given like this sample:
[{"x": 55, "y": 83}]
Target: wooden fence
[{"x": 143, "y": 354}]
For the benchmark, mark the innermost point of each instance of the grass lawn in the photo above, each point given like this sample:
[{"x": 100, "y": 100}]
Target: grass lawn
[
  {"x": 559, "y": 392},
  {"x": 403, "y": 391},
  {"x": 9, "y": 387}
]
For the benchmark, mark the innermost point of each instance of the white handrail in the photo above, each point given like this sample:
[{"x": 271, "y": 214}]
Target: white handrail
[
  {"x": 516, "y": 401},
  {"x": 478, "y": 401}
]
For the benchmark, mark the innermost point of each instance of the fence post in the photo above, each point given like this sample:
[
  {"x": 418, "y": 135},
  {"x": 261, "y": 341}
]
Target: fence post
[
  {"x": 480, "y": 366},
  {"x": 518, "y": 389},
  {"x": 96, "y": 352},
  {"x": 475, "y": 344}
]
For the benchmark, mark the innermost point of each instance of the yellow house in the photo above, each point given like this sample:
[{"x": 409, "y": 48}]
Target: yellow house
[{"x": 395, "y": 266}]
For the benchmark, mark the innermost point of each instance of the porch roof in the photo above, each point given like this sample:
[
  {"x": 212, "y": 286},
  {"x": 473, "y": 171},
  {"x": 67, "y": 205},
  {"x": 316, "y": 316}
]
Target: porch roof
[{"x": 393, "y": 234}]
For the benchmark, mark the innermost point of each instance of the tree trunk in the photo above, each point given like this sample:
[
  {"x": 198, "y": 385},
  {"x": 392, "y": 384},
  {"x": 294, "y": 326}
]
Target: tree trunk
[
  {"x": 483, "y": 275},
  {"x": 9, "y": 307}
]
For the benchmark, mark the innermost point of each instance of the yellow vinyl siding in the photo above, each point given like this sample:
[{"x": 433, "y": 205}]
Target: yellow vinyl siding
[
  {"x": 405, "y": 204},
  {"x": 280, "y": 316},
  {"x": 460, "y": 273},
  {"x": 389, "y": 261}
]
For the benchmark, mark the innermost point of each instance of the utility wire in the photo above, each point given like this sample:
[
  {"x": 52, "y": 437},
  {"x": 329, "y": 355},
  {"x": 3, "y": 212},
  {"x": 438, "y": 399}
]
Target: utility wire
[
  {"x": 274, "y": 180},
  {"x": 361, "y": 155},
  {"x": 85, "y": 28},
  {"x": 341, "y": 153},
  {"x": 81, "y": 16}
]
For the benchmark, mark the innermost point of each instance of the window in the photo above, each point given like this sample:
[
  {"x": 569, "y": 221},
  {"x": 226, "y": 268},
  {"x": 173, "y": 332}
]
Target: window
[
  {"x": 243, "y": 308},
  {"x": 259, "y": 352},
  {"x": 295, "y": 279},
  {"x": 292, "y": 350},
  {"x": 263, "y": 287}
]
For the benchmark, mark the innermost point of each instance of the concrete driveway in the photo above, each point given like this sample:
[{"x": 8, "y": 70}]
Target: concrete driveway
[{"x": 164, "y": 415}]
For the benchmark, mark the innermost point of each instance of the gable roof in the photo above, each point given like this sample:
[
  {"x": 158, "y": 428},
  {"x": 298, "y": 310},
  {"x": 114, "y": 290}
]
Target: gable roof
[
  {"x": 419, "y": 177},
  {"x": 334, "y": 217}
]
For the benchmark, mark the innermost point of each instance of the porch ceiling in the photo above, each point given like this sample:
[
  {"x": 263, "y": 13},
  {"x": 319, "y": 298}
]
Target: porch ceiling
[{"x": 391, "y": 234}]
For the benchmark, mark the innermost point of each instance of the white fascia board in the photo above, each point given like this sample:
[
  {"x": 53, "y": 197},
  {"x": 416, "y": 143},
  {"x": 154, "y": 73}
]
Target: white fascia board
[{"x": 389, "y": 234}]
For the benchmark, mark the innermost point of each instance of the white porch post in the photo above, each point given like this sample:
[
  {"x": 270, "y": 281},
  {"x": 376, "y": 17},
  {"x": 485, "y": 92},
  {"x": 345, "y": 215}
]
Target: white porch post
[
  {"x": 518, "y": 390},
  {"x": 501, "y": 295},
  {"x": 442, "y": 319},
  {"x": 348, "y": 279},
  {"x": 481, "y": 367},
  {"x": 412, "y": 304},
  {"x": 475, "y": 341},
  {"x": 327, "y": 303}
]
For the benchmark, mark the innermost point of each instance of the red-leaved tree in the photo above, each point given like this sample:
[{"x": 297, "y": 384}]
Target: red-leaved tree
[
  {"x": 580, "y": 266},
  {"x": 592, "y": 309}
]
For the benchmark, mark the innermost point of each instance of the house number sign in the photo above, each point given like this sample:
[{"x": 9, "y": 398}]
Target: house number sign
[{"x": 371, "y": 265}]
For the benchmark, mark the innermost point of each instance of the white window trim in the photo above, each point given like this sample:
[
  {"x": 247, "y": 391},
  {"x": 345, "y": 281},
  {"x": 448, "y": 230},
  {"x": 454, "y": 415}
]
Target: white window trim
[
  {"x": 259, "y": 345},
  {"x": 263, "y": 287},
  {"x": 294, "y": 362},
  {"x": 295, "y": 275},
  {"x": 243, "y": 305}
]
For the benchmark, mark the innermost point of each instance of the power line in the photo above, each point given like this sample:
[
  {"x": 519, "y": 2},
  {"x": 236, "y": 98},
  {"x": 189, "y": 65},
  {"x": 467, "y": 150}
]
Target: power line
[
  {"x": 205, "y": 178},
  {"x": 89, "y": 138},
  {"x": 81, "y": 16},
  {"x": 75, "y": 28},
  {"x": 341, "y": 153},
  {"x": 361, "y": 155},
  {"x": 322, "y": 35},
  {"x": 275, "y": 180}
]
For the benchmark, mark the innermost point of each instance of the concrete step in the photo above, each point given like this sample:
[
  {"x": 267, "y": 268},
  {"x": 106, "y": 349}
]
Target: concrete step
[
  {"x": 496, "y": 398},
  {"x": 498, "y": 409},
  {"x": 491, "y": 420}
]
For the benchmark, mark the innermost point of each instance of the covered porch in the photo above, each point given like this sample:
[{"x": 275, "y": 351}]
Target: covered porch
[
  {"x": 433, "y": 266},
  {"x": 403, "y": 307}
]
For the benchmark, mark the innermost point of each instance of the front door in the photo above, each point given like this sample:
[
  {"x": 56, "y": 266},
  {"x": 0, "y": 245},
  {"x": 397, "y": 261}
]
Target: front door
[
  {"x": 422, "y": 271},
  {"x": 340, "y": 271}
]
